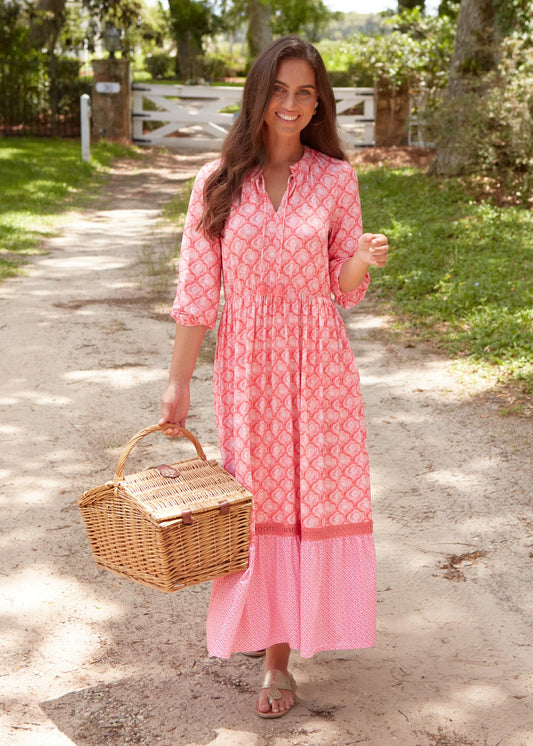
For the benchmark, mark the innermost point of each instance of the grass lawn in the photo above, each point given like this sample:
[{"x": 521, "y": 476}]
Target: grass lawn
[
  {"x": 460, "y": 271},
  {"x": 40, "y": 180}
]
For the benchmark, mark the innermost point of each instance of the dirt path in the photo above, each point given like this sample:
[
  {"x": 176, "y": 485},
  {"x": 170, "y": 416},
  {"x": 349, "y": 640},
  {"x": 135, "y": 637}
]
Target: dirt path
[{"x": 90, "y": 659}]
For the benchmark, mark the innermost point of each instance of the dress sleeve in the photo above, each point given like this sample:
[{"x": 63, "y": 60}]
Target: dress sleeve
[
  {"x": 345, "y": 230},
  {"x": 200, "y": 266}
]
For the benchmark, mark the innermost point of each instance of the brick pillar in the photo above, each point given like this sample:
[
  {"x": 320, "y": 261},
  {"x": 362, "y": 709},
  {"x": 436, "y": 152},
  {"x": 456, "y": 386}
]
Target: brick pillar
[{"x": 110, "y": 106}]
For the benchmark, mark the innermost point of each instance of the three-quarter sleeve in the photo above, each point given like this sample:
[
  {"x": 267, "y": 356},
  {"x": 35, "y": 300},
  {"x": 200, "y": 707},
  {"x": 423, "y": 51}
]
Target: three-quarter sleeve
[
  {"x": 345, "y": 230},
  {"x": 200, "y": 266}
]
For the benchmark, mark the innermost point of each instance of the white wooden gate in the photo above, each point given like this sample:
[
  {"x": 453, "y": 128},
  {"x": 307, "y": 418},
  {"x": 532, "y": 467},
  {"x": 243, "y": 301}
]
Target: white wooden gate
[{"x": 197, "y": 117}]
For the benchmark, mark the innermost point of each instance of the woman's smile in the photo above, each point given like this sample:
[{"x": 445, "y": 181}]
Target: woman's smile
[{"x": 287, "y": 117}]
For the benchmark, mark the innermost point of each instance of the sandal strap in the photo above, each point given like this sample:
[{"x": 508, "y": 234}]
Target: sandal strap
[{"x": 277, "y": 680}]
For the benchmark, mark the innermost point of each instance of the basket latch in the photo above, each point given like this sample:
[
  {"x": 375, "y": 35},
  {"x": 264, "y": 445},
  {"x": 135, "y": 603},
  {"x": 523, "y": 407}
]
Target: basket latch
[
  {"x": 224, "y": 507},
  {"x": 186, "y": 517},
  {"x": 167, "y": 471}
]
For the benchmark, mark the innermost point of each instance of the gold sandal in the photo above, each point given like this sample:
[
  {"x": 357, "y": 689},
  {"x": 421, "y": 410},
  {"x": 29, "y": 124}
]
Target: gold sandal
[{"x": 274, "y": 681}]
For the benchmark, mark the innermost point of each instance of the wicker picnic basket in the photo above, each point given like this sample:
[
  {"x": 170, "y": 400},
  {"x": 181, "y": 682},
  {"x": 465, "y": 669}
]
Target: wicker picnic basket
[{"x": 169, "y": 526}]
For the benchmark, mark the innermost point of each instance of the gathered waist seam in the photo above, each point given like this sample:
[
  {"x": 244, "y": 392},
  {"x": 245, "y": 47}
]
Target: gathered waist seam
[{"x": 291, "y": 297}]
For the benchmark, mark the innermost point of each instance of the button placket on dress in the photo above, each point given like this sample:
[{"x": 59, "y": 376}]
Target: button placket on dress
[{"x": 262, "y": 288}]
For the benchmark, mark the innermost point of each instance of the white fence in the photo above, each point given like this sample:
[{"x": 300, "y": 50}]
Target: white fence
[{"x": 197, "y": 117}]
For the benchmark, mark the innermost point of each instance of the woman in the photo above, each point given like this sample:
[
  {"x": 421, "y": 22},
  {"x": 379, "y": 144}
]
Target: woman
[{"x": 278, "y": 217}]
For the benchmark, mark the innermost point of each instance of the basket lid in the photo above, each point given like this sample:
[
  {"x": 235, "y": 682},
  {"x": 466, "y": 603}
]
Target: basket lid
[{"x": 197, "y": 486}]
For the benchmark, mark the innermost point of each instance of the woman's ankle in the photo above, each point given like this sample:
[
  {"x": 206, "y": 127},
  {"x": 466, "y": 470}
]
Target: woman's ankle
[{"x": 277, "y": 657}]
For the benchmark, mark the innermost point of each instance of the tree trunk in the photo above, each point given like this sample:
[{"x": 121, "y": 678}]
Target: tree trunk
[
  {"x": 48, "y": 19},
  {"x": 476, "y": 45},
  {"x": 189, "y": 50},
  {"x": 392, "y": 115},
  {"x": 259, "y": 33},
  {"x": 44, "y": 32},
  {"x": 475, "y": 53}
]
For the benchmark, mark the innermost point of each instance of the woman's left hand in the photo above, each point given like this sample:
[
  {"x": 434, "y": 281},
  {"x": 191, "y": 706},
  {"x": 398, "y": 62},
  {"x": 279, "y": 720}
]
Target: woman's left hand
[{"x": 374, "y": 248}]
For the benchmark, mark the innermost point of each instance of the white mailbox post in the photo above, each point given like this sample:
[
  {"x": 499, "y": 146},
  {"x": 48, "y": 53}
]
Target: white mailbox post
[{"x": 85, "y": 113}]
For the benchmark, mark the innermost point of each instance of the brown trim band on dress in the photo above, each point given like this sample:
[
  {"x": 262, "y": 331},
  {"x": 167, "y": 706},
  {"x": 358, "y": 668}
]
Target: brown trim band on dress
[{"x": 314, "y": 534}]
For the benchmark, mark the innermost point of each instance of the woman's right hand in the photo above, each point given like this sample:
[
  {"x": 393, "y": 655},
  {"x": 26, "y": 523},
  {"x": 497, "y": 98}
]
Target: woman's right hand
[{"x": 175, "y": 406}]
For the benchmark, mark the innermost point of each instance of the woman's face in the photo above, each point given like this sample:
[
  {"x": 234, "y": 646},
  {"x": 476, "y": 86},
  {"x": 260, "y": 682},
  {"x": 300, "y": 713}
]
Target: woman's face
[{"x": 294, "y": 100}]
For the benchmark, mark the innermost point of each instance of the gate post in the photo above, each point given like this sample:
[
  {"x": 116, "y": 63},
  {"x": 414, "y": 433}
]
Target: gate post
[{"x": 111, "y": 113}]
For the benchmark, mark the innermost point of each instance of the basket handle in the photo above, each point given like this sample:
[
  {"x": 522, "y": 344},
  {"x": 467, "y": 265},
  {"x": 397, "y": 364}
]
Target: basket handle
[{"x": 119, "y": 474}]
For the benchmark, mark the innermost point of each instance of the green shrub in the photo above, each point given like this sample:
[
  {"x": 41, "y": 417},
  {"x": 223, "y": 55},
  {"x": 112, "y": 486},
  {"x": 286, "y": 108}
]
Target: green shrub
[
  {"x": 219, "y": 66},
  {"x": 337, "y": 55},
  {"x": 159, "y": 65},
  {"x": 70, "y": 86},
  {"x": 341, "y": 78},
  {"x": 23, "y": 77},
  {"x": 25, "y": 84},
  {"x": 416, "y": 49}
]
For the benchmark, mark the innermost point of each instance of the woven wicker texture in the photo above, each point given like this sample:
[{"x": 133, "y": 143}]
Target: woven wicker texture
[{"x": 169, "y": 532}]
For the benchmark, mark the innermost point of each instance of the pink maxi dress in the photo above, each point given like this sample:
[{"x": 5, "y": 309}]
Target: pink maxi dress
[{"x": 288, "y": 409}]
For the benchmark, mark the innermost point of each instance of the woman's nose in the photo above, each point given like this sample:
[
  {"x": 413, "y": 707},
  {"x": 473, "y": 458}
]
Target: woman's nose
[{"x": 290, "y": 99}]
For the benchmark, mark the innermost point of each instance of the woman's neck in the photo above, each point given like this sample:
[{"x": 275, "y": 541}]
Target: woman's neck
[{"x": 283, "y": 152}]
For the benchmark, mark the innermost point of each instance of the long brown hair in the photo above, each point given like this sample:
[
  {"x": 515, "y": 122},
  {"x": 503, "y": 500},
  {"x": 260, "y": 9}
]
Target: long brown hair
[{"x": 244, "y": 147}]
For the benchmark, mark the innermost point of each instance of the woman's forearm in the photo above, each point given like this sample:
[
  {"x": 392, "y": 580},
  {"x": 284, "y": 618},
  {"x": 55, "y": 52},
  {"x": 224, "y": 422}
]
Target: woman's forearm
[
  {"x": 187, "y": 343},
  {"x": 176, "y": 399},
  {"x": 352, "y": 273}
]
